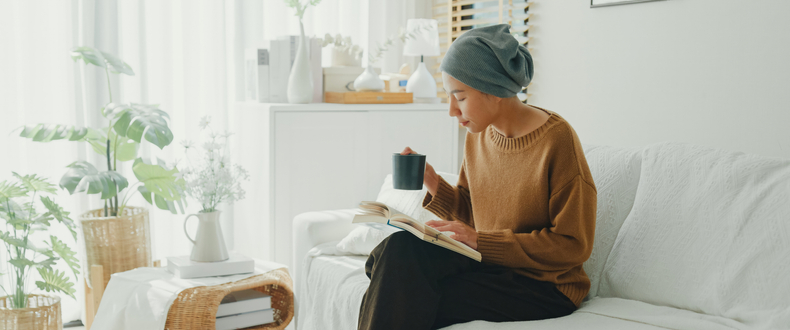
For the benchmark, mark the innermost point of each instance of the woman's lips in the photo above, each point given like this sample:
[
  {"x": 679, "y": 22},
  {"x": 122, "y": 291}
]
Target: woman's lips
[{"x": 464, "y": 123}]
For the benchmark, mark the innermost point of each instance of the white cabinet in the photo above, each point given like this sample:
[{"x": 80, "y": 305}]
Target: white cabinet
[{"x": 315, "y": 157}]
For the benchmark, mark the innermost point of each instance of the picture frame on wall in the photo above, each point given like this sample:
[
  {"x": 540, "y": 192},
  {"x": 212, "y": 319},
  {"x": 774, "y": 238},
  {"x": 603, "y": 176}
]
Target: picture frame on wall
[{"x": 607, "y": 3}]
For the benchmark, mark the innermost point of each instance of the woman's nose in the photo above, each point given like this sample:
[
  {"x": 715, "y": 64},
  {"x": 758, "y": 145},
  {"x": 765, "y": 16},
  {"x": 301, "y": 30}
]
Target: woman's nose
[{"x": 454, "y": 111}]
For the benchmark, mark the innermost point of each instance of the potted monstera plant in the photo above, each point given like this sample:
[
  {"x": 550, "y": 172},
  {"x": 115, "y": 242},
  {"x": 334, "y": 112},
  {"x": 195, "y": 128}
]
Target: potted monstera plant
[
  {"x": 25, "y": 225},
  {"x": 117, "y": 236}
]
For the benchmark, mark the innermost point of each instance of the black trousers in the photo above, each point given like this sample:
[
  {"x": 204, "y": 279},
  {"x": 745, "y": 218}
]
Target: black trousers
[{"x": 417, "y": 285}]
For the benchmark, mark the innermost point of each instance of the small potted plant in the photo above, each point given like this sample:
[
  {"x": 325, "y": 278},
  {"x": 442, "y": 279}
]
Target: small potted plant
[
  {"x": 21, "y": 217},
  {"x": 210, "y": 182}
]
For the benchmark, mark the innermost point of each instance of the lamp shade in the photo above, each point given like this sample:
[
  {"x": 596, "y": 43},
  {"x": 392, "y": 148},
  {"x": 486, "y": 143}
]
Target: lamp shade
[{"x": 426, "y": 38}]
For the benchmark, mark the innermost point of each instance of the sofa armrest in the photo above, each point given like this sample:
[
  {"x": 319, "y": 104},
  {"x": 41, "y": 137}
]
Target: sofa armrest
[{"x": 313, "y": 228}]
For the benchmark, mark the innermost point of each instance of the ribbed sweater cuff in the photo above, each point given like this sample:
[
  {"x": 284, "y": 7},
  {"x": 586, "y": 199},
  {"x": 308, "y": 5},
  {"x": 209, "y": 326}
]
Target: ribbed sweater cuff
[
  {"x": 491, "y": 247},
  {"x": 441, "y": 204},
  {"x": 575, "y": 293}
]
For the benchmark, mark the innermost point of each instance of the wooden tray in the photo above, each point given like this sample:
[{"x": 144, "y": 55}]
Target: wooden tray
[{"x": 367, "y": 97}]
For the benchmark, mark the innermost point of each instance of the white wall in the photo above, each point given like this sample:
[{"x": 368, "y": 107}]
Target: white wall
[{"x": 708, "y": 72}]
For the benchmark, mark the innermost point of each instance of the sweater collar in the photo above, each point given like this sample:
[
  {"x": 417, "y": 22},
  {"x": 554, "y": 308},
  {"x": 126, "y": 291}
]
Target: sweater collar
[{"x": 517, "y": 144}]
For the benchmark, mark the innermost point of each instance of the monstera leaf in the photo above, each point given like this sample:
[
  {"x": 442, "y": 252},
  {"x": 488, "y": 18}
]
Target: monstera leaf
[
  {"x": 159, "y": 180},
  {"x": 137, "y": 120},
  {"x": 52, "y": 132},
  {"x": 126, "y": 148},
  {"x": 101, "y": 59},
  {"x": 54, "y": 281},
  {"x": 82, "y": 176},
  {"x": 161, "y": 203}
]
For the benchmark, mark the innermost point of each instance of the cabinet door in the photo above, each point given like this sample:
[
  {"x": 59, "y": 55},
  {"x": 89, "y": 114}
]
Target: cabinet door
[
  {"x": 320, "y": 163},
  {"x": 431, "y": 133}
]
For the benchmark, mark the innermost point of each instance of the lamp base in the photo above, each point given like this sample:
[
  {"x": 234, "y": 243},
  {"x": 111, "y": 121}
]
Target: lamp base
[{"x": 421, "y": 83}]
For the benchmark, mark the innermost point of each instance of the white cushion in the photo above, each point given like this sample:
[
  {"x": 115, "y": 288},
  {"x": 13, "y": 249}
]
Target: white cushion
[
  {"x": 363, "y": 239},
  {"x": 615, "y": 172},
  {"x": 709, "y": 232}
]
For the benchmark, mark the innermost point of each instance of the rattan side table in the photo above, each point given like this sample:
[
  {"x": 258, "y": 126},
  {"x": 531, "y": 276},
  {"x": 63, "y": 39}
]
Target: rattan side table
[{"x": 196, "y": 308}]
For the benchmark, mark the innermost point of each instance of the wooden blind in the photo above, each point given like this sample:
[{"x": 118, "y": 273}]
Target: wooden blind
[{"x": 455, "y": 17}]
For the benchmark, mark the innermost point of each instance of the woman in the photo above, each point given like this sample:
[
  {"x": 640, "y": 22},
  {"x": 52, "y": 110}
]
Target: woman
[{"x": 525, "y": 199}]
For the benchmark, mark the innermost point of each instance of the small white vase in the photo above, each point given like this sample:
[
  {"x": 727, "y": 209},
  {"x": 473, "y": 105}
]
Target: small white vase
[
  {"x": 368, "y": 81},
  {"x": 300, "y": 81},
  {"x": 209, "y": 245}
]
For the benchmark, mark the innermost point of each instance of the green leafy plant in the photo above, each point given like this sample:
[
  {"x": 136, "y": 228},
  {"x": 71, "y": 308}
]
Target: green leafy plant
[
  {"x": 127, "y": 125},
  {"x": 24, "y": 218},
  {"x": 300, "y": 8}
]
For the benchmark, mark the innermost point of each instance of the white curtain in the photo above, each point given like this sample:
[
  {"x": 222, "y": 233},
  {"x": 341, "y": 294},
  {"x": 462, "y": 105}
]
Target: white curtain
[{"x": 187, "y": 57}]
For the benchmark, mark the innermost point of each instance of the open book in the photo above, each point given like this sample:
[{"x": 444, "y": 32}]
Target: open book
[{"x": 380, "y": 213}]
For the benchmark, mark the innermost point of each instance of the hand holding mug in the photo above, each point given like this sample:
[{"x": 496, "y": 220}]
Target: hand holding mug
[{"x": 430, "y": 178}]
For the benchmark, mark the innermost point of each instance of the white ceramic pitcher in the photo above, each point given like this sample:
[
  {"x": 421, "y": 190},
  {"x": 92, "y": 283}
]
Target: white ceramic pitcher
[{"x": 209, "y": 246}]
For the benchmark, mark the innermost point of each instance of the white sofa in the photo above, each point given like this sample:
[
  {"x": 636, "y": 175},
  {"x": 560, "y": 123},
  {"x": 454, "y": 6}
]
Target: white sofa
[{"x": 687, "y": 237}]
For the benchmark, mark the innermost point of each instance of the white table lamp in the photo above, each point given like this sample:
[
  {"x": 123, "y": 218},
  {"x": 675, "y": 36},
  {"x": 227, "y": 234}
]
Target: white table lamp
[{"x": 424, "y": 43}]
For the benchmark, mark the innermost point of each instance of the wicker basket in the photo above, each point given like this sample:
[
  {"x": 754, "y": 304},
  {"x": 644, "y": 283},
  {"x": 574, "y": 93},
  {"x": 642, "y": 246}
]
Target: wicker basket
[
  {"x": 196, "y": 308},
  {"x": 116, "y": 243},
  {"x": 43, "y": 313}
]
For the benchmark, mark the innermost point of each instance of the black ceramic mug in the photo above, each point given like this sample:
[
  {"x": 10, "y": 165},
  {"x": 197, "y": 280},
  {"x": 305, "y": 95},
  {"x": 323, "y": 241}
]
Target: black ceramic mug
[{"x": 408, "y": 171}]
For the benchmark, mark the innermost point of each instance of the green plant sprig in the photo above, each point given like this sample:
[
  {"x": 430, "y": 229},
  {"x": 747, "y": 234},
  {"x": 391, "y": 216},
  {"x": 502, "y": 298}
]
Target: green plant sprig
[
  {"x": 21, "y": 221},
  {"x": 301, "y": 8}
]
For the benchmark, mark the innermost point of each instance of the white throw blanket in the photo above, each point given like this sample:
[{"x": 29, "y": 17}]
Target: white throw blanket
[{"x": 140, "y": 298}]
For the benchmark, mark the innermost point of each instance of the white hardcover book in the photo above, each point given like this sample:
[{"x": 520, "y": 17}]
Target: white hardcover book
[
  {"x": 279, "y": 69},
  {"x": 251, "y": 74},
  {"x": 293, "y": 46},
  {"x": 238, "y": 321},
  {"x": 316, "y": 45},
  {"x": 183, "y": 267},
  {"x": 243, "y": 301},
  {"x": 263, "y": 75}
]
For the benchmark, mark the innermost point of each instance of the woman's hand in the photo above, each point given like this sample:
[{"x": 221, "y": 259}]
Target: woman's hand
[
  {"x": 462, "y": 232},
  {"x": 430, "y": 178}
]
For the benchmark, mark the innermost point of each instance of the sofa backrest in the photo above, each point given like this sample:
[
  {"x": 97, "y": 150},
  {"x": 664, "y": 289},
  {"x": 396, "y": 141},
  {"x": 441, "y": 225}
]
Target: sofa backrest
[
  {"x": 709, "y": 232},
  {"x": 615, "y": 172}
]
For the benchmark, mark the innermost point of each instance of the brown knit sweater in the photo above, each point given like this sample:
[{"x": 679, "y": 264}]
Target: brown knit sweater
[{"x": 532, "y": 201}]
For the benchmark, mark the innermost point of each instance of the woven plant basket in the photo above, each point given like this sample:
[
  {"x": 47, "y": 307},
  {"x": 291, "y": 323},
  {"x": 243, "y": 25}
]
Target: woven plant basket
[
  {"x": 43, "y": 313},
  {"x": 116, "y": 243},
  {"x": 196, "y": 308}
]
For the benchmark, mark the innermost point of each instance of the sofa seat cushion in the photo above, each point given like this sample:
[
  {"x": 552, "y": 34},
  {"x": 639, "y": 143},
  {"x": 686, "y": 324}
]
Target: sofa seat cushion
[{"x": 331, "y": 297}]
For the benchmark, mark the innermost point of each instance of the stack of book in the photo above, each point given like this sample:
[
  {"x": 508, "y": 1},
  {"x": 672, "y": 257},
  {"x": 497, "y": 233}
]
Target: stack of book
[
  {"x": 267, "y": 69},
  {"x": 243, "y": 309},
  {"x": 183, "y": 267}
]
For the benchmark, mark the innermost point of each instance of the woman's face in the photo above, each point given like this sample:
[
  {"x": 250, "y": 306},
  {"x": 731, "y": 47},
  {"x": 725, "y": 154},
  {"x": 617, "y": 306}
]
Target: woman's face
[{"x": 472, "y": 108}]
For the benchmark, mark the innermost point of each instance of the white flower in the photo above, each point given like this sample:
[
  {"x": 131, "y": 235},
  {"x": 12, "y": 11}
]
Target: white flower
[
  {"x": 187, "y": 144},
  {"x": 338, "y": 40},
  {"x": 327, "y": 40},
  {"x": 204, "y": 122}
]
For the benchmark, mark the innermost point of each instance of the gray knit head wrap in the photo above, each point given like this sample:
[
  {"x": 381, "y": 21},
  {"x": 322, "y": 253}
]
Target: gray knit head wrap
[{"x": 490, "y": 60}]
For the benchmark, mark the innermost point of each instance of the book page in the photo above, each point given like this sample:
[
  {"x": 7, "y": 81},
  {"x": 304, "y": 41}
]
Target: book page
[{"x": 377, "y": 207}]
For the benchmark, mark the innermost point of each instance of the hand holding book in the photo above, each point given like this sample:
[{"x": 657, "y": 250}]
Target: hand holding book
[
  {"x": 463, "y": 232},
  {"x": 380, "y": 216}
]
